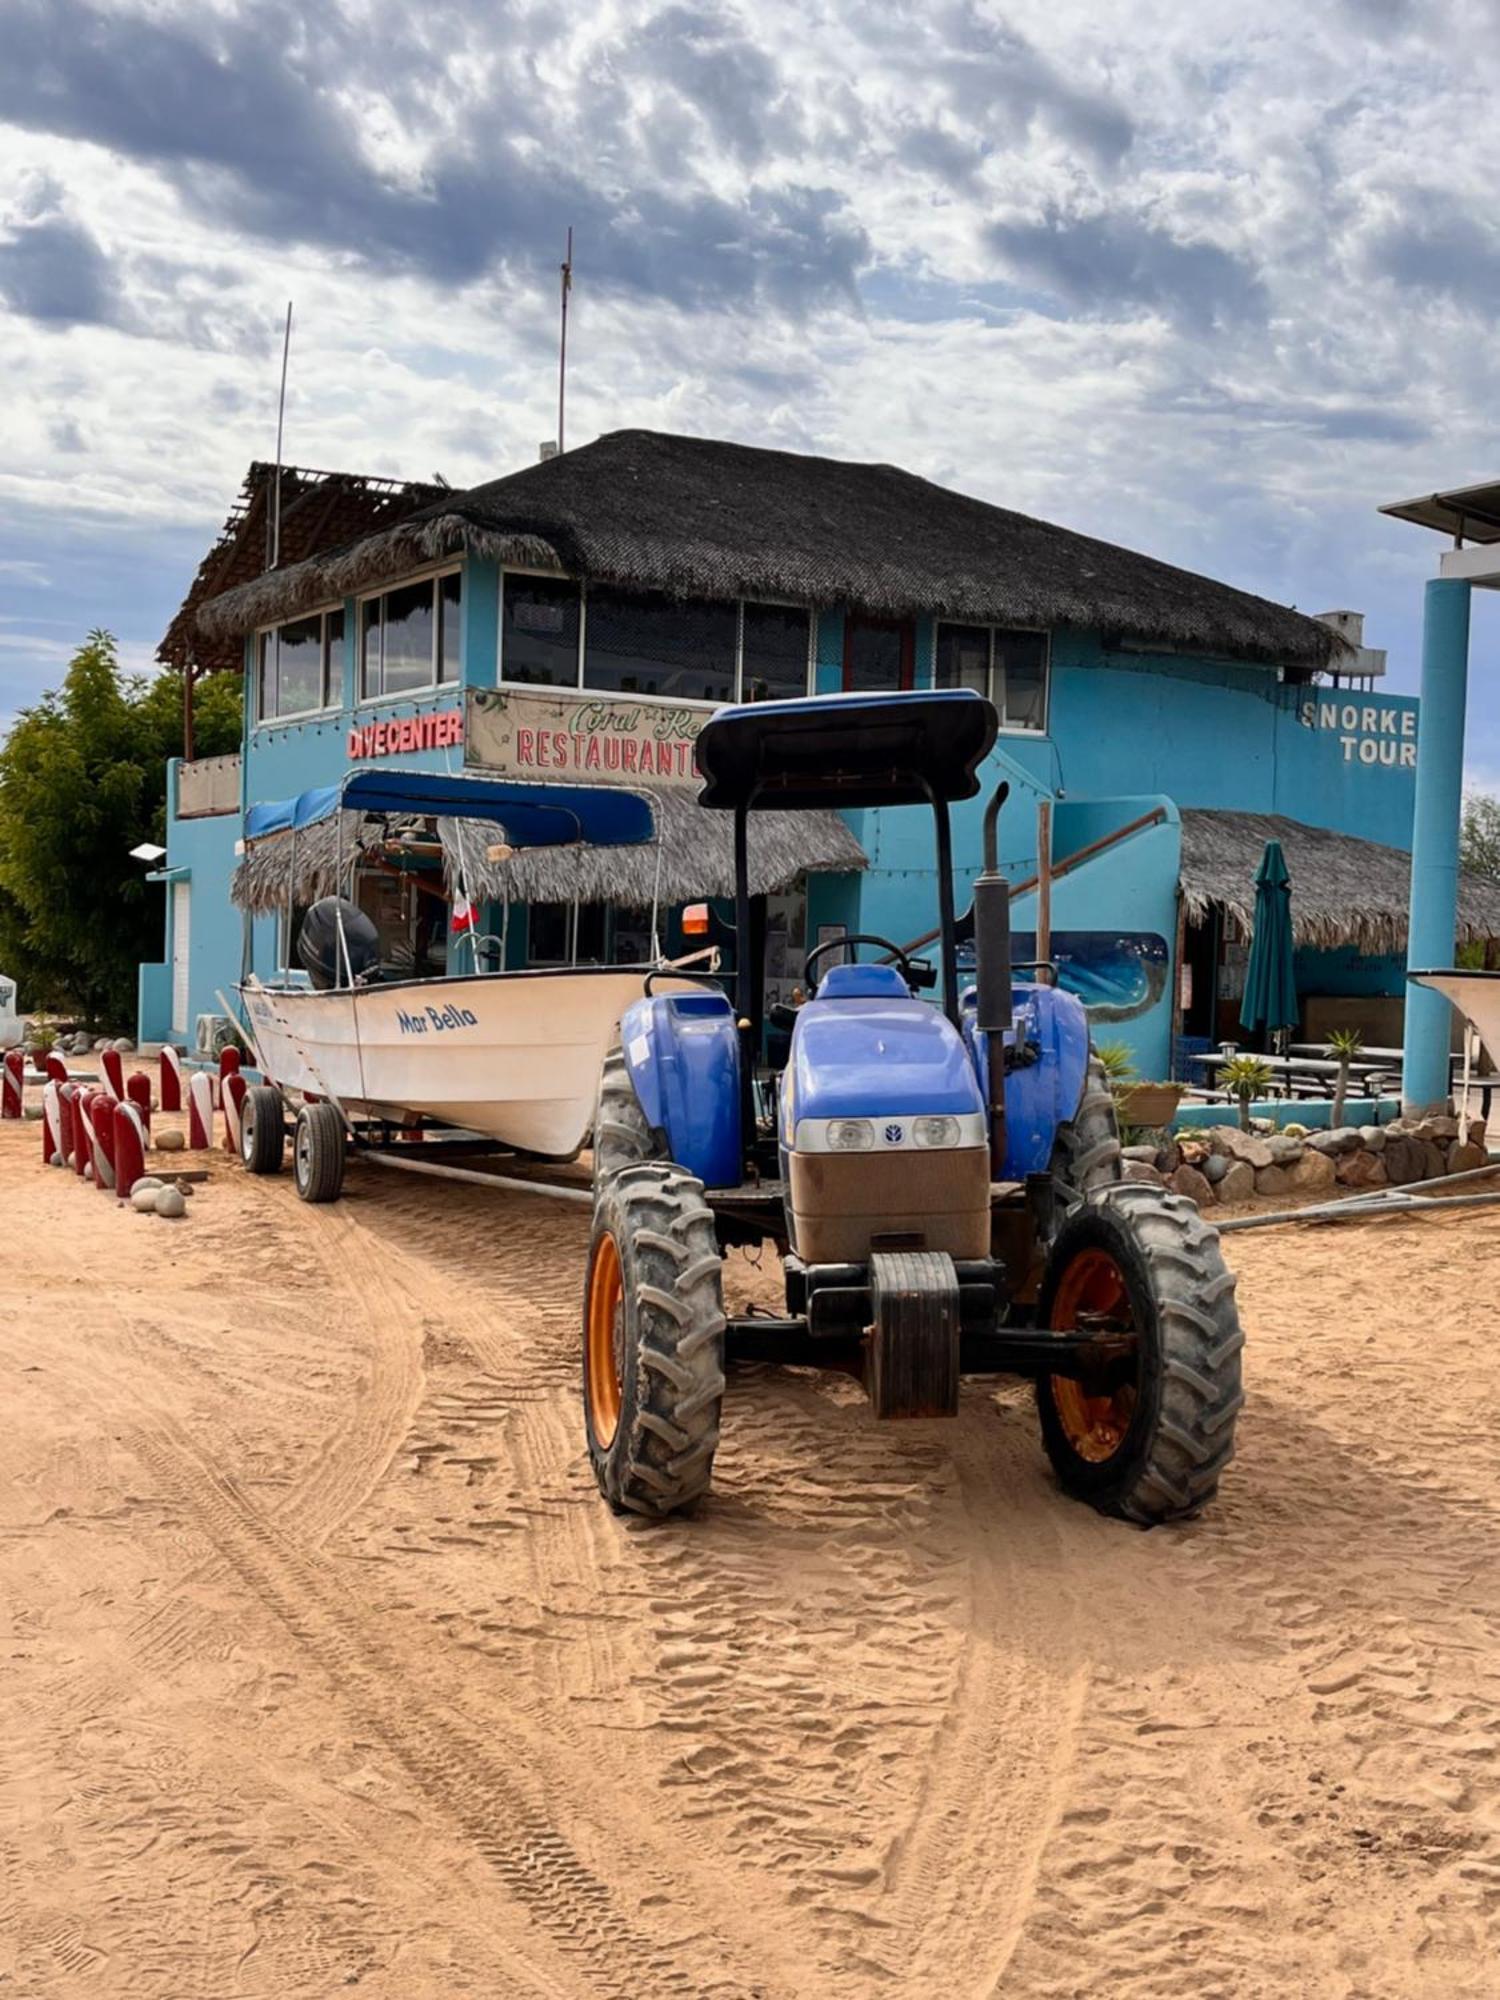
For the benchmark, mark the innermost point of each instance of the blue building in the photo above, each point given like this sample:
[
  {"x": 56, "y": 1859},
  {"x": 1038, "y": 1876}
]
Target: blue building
[{"x": 580, "y": 619}]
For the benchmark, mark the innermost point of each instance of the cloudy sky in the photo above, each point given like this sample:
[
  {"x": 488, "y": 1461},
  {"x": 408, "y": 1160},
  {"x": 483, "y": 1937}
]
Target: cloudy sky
[{"x": 1212, "y": 280}]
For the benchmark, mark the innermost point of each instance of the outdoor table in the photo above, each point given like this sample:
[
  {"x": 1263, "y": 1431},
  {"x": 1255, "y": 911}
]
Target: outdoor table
[{"x": 1290, "y": 1071}]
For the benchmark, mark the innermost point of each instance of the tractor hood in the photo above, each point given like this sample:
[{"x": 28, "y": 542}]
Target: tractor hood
[{"x": 878, "y": 1058}]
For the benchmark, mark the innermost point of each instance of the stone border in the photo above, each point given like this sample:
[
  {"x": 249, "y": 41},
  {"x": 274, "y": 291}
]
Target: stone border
[{"x": 1219, "y": 1165}]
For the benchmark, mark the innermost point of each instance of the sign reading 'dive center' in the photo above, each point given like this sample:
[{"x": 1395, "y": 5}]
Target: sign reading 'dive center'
[
  {"x": 406, "y": 733},
  {"x": 598, "y": 739}
]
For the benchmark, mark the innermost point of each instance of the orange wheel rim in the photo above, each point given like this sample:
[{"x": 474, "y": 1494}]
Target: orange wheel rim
[
  {"x": 1093, "y": 1291},
  {"x": 605, "y": 1340}
]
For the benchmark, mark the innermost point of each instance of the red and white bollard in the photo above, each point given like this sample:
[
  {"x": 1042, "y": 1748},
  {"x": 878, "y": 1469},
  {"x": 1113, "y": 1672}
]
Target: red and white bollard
[
  {"x": 129, "y": 1147},
  {"x": 102, "y": 1135},
  {"x": 171, "y": 1078},
  {"x": 229, "y": 1062},
  {"x": 66, "y": 1121},
  {"x": 138, "y": 1090},
  {"x": 57, "y": 1070},
  {"x": 51, "y": 1122},
  {"x": 83, "y": 1133},
  {"x": 13, "y": 1086},
  {"x": 235, "y": 1089},
  {"x": 200, "y": 1111},
  {"x": 113, "y": 1065}
]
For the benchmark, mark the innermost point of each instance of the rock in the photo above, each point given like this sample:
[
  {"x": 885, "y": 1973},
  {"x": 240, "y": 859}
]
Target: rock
[
  {"x": 148, "y": 1181},
  {"x": 1255, "y": 1152},
  {"x": 169, "y": 1142},
  {"x": 1188, "y": 1181},
  {"x": 1294, "y": 1131},
  {"x": 1443, "y": 1128},
  {"x": 1238, "y": 1183},
  {"x": 1361, "y": 1170},
  {"x": 1273, "y": 1180},
  {"x": 125, "y": 1046},
  {"x": 1372, "y": 1138},
  {"x": 58, "y": 1160},
  {"x": 1405, "y": 1159},
  {"x": 143, "y": 1197},
  {"x": 1284, "y": 1151},
  {"x": 1213, "y": 1167},
  {"x": 1168, "y": 1160},
  {"x": 1142, "y": 1170},
  {"x": 1434, "y": 1159},
  {"x": 1312, "y": 1174},
  {"x": 1464, "y": 1158},
  {"x": 1342, "y": 1139},
  {"x": 100, "y": 1043},
  {"x": 169, "y": 1202},
  {"x": 1146, "y": 1153},
  {"x": 1478, "y": 1132}
]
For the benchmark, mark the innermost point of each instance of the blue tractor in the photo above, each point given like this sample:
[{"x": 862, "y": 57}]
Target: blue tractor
[{"x": 943, "y": 1181}]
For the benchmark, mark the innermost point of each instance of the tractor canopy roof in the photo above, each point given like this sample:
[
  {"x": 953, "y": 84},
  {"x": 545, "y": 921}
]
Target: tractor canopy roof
[
  {"x": 533, "y": 815},
  {"x": 846, "y": 750}
]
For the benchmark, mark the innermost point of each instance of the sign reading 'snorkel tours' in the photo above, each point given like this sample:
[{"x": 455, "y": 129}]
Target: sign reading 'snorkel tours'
[{"x": 588, "y": 739}]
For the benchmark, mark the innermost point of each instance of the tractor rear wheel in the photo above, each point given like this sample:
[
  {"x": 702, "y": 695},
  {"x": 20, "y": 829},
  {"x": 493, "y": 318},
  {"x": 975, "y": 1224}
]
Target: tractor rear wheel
[
  {"x": 1140, "y": 1262},
  {"x": 653, "y": 1350},
  {"x": 622, "y": 1137},
  {"x": 1086, "y": 1152}
]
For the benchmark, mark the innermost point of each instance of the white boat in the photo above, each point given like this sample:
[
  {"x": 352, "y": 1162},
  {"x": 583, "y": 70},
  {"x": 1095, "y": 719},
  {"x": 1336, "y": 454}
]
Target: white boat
[{"x": 512, "y": 1056}]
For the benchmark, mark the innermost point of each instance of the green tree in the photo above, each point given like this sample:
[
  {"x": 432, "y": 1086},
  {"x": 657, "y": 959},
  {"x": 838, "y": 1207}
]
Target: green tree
[
  {"x": 82, "y": 781},
  {"x": 1479, "y": 836}
]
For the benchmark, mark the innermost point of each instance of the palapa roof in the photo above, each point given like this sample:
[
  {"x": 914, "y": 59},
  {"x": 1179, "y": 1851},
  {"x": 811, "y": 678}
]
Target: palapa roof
[
  {"x": 692, "y": 857},
  {"x": 697, "y": 517},
  {"x": 1344, "y": 891},
  {"x": 320, "y": 511}
]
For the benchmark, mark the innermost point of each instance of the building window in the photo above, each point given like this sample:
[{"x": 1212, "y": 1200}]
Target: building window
[
  {"x": 541, "y": 620},
  {"x": 775, "y": 651},
  {"x": 566, "y": 933},
  {"x": 642, "y": 642},
  {"x": 298, "y": 666},
  {"x": 1009, "y": 666},
  {"x": 878, "y": 654},
  {"x": 411, "y": 637}
]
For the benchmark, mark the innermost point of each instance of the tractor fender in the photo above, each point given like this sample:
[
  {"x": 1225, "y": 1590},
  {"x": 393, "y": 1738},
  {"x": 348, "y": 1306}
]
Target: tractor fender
[
  {"x": 682, "y": 1053},
  {"x": 1043, "y": 1090}
]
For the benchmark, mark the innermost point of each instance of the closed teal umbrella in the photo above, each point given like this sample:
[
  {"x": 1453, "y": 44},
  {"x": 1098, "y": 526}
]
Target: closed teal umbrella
[{"x": 1270, "y": 1000}]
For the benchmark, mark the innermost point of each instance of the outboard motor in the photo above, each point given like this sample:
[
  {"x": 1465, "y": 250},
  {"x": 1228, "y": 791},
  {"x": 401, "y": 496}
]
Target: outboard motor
[{"x": 328, "y": 959}]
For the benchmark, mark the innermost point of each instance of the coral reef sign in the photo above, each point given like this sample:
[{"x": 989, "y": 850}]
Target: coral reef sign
[{"x": 592, "y": 739}]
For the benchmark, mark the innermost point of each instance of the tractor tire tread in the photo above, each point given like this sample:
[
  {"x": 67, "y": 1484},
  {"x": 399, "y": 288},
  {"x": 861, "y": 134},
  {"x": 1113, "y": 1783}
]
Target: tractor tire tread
[
  {"x": 660, "y": 1459},
  {"x": 622, "y": 1135},
  {"x": 1086, "y": 1153}
]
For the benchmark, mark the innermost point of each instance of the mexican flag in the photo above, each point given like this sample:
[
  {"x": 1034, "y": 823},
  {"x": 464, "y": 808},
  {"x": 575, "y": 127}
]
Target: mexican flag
[{"x": 463, "y": 916}]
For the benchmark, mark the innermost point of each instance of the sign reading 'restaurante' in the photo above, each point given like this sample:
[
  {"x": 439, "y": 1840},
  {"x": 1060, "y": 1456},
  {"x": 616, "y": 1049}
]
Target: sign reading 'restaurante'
[{"x": 583, "y": 738}]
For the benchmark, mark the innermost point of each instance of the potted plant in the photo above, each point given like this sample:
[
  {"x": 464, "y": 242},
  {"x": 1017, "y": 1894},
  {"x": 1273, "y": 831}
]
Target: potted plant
[
  {"x": 1140, "y": 1104},
  {"x": 1344, "y": 1044},
  {"x": 41, "y": 1041},
  {"x": 1248, "y": 1077}
]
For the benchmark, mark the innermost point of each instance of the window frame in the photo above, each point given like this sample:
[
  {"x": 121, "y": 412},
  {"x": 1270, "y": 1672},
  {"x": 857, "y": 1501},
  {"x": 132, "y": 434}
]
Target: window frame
[
  {"x": 1039, "y": 631},
  {"x": 433, "y": 574},
  {"x": 331, "y": 702},
  {"x": 907, "y": 629},
  {"x": 578, "y": 686}
]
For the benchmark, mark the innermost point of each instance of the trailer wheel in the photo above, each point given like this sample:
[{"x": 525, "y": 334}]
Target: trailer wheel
[
  {"x": 1086, "y": 1152},
  {"x": 653, "y": 1353},
  {"x": 263, "y": 1129},
  {"x": 1139, "y": 1261},
  {"x": 318, "y": 1153},
  {"x": 622, "y": 1137}
]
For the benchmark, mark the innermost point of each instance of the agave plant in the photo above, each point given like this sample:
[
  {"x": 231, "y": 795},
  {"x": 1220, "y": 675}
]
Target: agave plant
[
  {"x": 1344, "y": 1044},
  {"x": 1117, "y": 1062},
  {"x": 1248, "y": 1077}
]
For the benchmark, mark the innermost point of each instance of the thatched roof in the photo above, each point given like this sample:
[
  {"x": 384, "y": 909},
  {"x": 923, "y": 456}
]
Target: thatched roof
[
  {"x": 692, "y": 857},
  {"x": 320, "y": 511},
  {"x": 700, "y": 518},
  {"x": 1344, "y": 891}
]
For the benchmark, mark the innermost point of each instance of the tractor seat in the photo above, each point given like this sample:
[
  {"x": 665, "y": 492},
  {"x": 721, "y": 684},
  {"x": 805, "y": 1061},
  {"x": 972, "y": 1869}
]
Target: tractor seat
[{"x": 863, "y": 982}]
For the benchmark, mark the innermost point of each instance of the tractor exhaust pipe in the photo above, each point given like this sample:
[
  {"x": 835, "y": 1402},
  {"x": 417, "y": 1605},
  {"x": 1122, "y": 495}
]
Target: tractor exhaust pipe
[{"x": 994, "y": 995}]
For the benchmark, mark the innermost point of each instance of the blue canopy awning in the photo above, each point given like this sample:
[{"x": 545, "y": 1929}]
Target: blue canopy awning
[{"x": 532, "y": 815}]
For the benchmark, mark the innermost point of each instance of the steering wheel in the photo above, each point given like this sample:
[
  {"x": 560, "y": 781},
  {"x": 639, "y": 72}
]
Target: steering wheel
[{"x": 892, "y": 951}]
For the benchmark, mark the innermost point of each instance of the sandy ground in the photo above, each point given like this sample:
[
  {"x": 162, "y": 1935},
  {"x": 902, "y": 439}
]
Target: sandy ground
[{"x": 323, "y": 1666}]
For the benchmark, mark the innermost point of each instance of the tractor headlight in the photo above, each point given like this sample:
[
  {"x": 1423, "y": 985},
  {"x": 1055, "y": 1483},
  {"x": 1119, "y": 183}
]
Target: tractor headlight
[
  {"x": 935, "y": 1131},
  {"x": 850, "y": 1135}
]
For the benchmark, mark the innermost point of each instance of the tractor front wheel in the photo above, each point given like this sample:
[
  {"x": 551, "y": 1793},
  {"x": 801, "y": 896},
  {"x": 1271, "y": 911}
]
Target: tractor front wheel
[
  {"x": 622, "y": 1137},
  {"x": 1140, "y": 1264},
  {"x": 653, "y": 1354}
]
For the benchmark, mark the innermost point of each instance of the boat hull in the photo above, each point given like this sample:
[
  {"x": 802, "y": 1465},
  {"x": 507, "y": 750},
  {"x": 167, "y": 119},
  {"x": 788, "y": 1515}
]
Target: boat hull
[{"x": 513, "y": 1056}]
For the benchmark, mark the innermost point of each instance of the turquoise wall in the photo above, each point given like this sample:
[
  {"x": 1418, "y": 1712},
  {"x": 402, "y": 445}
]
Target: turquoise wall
[{"x": 205, "y": 848}]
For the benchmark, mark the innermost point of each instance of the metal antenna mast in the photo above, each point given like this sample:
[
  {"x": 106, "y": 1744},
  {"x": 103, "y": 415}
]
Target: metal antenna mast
[
  {"x": 562, "y": 353},
  {"x": 274, "y": 530}
]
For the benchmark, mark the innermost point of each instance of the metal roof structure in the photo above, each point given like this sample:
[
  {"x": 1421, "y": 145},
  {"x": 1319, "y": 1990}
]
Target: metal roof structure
[{"x": 1468, "y": 513}]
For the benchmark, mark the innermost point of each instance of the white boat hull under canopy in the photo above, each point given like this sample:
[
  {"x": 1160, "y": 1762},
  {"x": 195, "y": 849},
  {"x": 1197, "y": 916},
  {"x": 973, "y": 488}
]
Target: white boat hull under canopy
[
  {"x": 513, "y": 1056},
  {"x": 1476, "y": 995}
]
